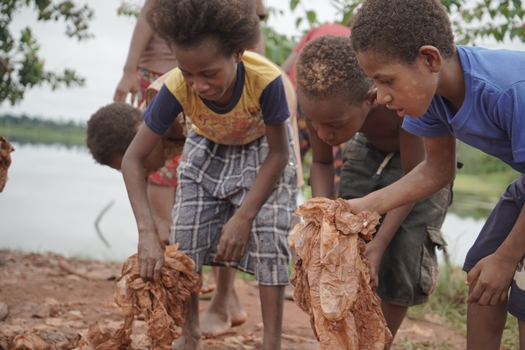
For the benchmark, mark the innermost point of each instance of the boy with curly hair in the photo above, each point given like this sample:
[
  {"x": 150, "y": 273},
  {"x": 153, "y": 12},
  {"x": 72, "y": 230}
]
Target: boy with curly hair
[
  {"x": 448, "y": 92},
  {"x": 339, "y": 103}
]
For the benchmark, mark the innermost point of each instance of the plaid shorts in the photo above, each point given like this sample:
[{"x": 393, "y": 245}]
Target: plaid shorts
[{"x": 214, "y": 181}]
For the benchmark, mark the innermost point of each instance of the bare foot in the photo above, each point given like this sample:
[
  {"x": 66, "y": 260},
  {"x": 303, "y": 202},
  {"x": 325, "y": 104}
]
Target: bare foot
[
  {"x": 237, "y": 313},
  {"x": 207, "y": 290},
  {"x": 187, "y": 343},
  {"x": 213, "y": 323}
]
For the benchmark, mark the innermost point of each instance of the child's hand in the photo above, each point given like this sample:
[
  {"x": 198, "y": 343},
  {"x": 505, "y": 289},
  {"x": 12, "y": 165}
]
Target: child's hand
[
  {"x": 374, "y": 254},
  {"x": 357, "y": 205},
  {"x": 128, "y": 84},
  {"x": 234, "y": 238},
  {"x": 151, "y": 257},
  {"x": 163, "y": 228},
  {"x": 492, "y": 276}
]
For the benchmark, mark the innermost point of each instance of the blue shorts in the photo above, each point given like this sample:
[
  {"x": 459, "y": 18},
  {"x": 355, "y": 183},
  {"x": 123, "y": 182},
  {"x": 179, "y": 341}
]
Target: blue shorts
[
  {"x": 214, "y": 181},
  {"x": 496, "y": 229}
]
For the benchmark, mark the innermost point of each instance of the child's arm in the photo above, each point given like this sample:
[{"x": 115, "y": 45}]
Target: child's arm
[
  {"x": 322, "y": 169},
  {"x": 236, "y": 232},
  {"x": 412, "y": 152},
  {"x": 150, "y": 248},
  {"x": 491, "y": 277},
  {"x": 428, "y": 177}
]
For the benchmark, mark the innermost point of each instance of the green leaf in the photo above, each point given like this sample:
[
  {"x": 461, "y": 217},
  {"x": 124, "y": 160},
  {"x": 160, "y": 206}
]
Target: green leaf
[
  {"x": 312, "y": 16},
  {"x": 293, "y": 4}
]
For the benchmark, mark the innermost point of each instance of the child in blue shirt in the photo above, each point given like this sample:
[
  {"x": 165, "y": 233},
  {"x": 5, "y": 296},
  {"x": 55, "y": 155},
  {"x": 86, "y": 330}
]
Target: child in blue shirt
[
  {"x": 475, "y": 95},
  {"x": 237, "y": 173}
]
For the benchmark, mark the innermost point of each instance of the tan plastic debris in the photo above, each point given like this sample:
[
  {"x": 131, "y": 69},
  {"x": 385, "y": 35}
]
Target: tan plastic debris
[
  {"x": 5, "y": 160},
  {"x": 30, "y": 342},
  {"x": 332, "y": 276},
  {"x": 163, "y": 303}
]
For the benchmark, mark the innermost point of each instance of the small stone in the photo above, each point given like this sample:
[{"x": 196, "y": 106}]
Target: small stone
[{"x": 4, "y": 310}]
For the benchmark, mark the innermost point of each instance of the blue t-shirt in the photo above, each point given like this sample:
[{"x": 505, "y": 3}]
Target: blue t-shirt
[
  {"x": 492, "y": 117},
  {"x": 258, "y": 99}
]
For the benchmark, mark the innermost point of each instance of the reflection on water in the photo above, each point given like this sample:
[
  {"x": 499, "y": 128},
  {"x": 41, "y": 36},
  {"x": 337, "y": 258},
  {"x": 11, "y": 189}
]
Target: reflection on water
[
  {"x": 459, "y": 233},
  {"x": 471, "y": 206},
  {"x": 54, "y": 195},
  {"x": 52, "y": 199}
]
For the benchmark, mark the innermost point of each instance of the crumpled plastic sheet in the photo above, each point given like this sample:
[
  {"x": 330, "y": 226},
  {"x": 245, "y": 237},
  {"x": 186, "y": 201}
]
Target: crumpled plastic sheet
[
  {"x": 163, "y": 303},
  {"x": 5, "y": 160},
  {"x": 332, "y": 276},
  {"x": 28, "y": 341}
]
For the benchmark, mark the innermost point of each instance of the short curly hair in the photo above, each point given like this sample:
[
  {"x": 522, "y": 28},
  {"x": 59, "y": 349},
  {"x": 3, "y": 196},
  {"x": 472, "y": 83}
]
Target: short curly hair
[
  {"x": 327, "y": 67},
  {"x": 233, "y": 24},
  {"x": 396, "y": 29},
  {"x": 110, "y": 131}
]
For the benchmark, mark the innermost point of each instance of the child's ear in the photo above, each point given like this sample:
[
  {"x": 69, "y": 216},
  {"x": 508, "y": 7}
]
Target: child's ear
[
  {"x": 371, "y": 98},
  {"x": 431, "y": 57},
  {"x": 238, "y": 55}
]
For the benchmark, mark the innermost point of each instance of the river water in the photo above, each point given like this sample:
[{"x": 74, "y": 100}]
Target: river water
[{"x": 55, "y": 194}]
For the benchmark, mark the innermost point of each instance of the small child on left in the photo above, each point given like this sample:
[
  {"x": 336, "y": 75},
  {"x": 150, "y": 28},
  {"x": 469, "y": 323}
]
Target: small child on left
[{"x": 5, "y": 160}]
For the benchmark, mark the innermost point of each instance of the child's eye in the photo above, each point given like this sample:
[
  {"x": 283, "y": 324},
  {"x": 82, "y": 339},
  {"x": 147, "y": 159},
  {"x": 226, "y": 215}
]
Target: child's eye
[
  {"x": 210, "y": 75},
  {"x": 386, "y": 82},
  {"x": 339, "y": 125}
]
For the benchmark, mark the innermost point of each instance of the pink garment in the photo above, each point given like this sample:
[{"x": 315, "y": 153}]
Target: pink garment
[
  {"x": 323, "y": 29},
  {"x": 157, "y": 56}
]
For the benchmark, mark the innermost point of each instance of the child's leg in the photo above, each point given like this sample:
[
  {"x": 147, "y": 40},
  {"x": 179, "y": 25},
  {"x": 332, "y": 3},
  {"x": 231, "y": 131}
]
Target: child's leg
[
  {"x": 162, "y": 199},
  {"x": 272, "y": 299},
  {"x": 191, "y": 335},
  {"x": 521, "y": 326},
  {"x": 485, "y": 326},
  {"x": 225, "y": 309},
  {"x": 394, "y": 315}
]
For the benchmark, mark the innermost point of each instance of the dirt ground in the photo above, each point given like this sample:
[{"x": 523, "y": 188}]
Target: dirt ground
[{"x": 58, "y": 298}]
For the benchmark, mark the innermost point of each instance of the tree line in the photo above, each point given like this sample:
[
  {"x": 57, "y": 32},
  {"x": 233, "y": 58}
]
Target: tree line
[{"x": 9, "y": 120}]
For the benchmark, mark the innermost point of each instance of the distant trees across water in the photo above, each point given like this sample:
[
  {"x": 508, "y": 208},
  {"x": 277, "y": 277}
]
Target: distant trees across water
[{"x": 34, "y": 130}]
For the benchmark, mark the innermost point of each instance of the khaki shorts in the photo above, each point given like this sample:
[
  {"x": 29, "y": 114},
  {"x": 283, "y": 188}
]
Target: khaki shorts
[{"x": 408, "y": 271}]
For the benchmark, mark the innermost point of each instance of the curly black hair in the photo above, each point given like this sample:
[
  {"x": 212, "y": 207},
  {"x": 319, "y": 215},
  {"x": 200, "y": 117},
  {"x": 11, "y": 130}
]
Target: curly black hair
[
  {"x": 396, "y": 29},
  {"x": 327, "y": 67},
  {"x": 233, "y": 24},
  {"x": 110, "y": 131}
]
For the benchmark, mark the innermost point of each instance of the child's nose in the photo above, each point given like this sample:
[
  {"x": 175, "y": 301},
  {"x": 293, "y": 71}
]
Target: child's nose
[
  {"x": 199, "y": 85},
  {"x": 324, "y": 133},
  {"x": 383, "y": 97}
]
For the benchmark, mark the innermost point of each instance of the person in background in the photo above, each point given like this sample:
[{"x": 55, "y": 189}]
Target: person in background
[{"x": 446, "y": 91}]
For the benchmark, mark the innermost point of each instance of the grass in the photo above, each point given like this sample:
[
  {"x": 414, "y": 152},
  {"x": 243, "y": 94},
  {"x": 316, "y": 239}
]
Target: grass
[
  {"x": 242, "y": 275},
  {"x": 486, "y": 185},
  {"x": 448, "y": 303},
  {"x": 420, "y": 345}
]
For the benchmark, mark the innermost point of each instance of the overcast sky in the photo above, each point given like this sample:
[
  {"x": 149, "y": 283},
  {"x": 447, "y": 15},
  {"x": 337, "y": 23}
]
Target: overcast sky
[{"x": 101, "y": 59}]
